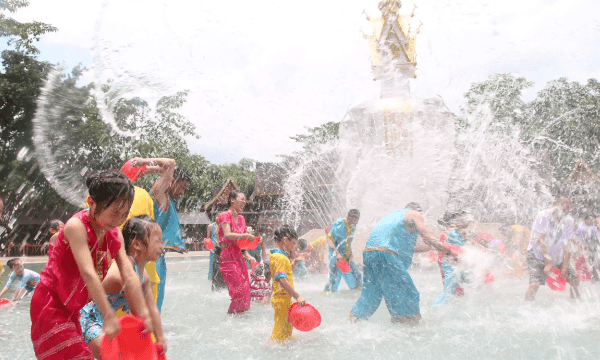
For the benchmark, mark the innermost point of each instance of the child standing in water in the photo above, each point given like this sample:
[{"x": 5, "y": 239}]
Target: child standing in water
[
  {"x": 27, "y": 279},
  {"x": 85, "y": 247},
  {"x": 283, "y": 282},
  {"x": 260, "y": 278},
  {"x": 457, "y": 222},
  {"x": 143, "y": 243}
]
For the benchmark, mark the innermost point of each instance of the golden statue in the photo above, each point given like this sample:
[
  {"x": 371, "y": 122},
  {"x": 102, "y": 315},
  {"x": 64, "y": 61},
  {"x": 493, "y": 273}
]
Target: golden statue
[{"x": 392, "y": 39}]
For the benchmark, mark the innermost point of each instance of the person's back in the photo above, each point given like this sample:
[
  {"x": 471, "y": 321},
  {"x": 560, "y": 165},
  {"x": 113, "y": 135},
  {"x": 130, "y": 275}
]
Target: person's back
[{"x": 391, "y": 234}]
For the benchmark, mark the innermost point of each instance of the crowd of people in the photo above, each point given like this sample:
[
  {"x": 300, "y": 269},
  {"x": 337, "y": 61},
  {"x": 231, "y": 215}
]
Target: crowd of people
[{"x": 109, "y": 259}]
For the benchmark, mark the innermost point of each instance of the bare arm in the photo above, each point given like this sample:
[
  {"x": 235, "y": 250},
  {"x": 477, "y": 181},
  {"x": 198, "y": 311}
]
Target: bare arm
[
  {"x": 541, "y": 242},
  {"x": 421, "y": 246},
  {"x": 331, "y": 244},
  {"x": 76, "y": 236},
  {"x": 209, "y": 231},
  {"x": 165, "y": 167},
  {"x": 264, "y": 254},
  {"x": 291, "y": 291},
  {"x": 4, "y": 290},
  {"x": 417, "y": 219},
  {"x": 154, "y": 313},
  {"x": 132, "y": 288},
  {"x": 233, "y": 236},
  {"x": 52, "y": 240}
]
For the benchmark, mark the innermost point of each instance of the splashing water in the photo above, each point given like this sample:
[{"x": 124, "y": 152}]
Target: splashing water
[{"x": 490, "y": 322}]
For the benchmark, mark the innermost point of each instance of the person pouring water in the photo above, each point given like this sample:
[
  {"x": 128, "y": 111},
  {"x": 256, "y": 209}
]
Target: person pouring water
[
  {"x": 551, "y": 238},
  {"x": 340, "y": 238}
]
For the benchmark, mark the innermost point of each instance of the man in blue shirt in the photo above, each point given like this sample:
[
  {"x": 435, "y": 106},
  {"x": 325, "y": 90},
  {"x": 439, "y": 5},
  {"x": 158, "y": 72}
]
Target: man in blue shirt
[
  {"x": 386, "y": 258},
  {"x": 170, "y": 185},
  {"x": 340, "y": 238}
]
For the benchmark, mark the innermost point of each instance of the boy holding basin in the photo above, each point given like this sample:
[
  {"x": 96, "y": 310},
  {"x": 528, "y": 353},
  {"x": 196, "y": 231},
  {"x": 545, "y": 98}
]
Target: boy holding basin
[{"x": 283, "y": 282}]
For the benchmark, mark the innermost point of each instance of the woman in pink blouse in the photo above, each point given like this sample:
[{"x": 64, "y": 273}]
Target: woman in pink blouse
[{"x": 232, "y": 228}]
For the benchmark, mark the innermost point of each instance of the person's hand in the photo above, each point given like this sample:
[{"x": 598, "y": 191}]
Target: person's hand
[
  {"x": 137, "y": 162},
  {"x": 339, "y": 256},
  {"x": 548, "y": 268},
  {"x": 163, "y": 345},
  {"x": 301, "y": 301},
  {"x": 250, "y": 237},
  {"x": 144, "y": 315},
  {"x": 111, "y": 327}
]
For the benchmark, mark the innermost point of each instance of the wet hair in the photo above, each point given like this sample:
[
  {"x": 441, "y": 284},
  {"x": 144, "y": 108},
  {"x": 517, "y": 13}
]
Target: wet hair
[
  {"x": 232, "y": 196},
  {"x": 55, "y": 224},
  {"x": 285, "y": 231},
  {"x": 137, "y": 228},
  {"x": 414, "y": 206},
  {"x": 109, "y": 186},
  {"x": 12, "y": 262},
  {"x": 181, "y": 174},
  {"x": 354, "y": 213},
  {"x": 302, "y": 244}
]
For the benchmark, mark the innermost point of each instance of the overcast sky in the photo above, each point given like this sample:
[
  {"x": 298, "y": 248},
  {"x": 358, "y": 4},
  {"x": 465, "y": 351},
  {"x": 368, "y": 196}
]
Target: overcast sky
[{"x": 261, "y": 71}]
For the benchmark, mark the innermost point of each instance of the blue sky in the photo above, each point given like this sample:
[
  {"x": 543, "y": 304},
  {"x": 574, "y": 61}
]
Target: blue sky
[{"x": 260, "y": 72}]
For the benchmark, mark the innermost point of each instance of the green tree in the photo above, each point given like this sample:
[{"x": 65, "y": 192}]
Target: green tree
[
  {"x": 318, "y": 135},
  {"x": 21, "y": 35},
  {"x": 498, "y": 99},
  {"x": 565, "y": 125}
]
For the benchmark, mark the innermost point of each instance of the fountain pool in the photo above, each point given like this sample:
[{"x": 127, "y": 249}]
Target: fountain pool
[{"x": 492, "y": 322}]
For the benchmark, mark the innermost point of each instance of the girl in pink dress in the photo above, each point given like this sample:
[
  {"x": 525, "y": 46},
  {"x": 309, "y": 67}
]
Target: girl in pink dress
[
  {"x": 84, "y": 250},
  {"x": 232, "y": 228}
]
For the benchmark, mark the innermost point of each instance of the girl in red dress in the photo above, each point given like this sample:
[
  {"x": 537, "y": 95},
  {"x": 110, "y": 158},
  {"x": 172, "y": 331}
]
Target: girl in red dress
[{"x": 84, "y": 250}]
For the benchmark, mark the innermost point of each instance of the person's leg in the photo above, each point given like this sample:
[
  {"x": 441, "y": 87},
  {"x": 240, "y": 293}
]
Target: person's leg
[
  {"x": 335, "y": 276},
  {"x": 573, "y": 280},
  {"x": 371, "y": 294},
  {"x": 210, "y": 265},
  {"x": 401, "y": 296},
  {"x": 282, "y": 329},
  {"x": 218, "y": 283},
  {"x": 536, "y": 275},
  {"x": 233, "y": 267},
  {"x": 161, "y": 270},
  {"x": 92, "y": 327},
  {"x": 356, "y": 274},
  {"x": 450, "y": 285}
]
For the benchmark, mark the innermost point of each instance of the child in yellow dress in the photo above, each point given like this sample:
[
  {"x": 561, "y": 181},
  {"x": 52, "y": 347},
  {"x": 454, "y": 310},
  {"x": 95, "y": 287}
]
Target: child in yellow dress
[{"x": 283, "y": 282}]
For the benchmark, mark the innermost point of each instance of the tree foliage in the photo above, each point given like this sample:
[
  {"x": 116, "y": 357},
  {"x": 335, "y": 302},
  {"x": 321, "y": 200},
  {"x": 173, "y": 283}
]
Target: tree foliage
[{"x": 21, "y": 35}]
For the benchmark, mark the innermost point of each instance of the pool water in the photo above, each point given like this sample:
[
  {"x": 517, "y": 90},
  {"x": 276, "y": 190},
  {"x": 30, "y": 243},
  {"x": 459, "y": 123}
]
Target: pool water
[{"x": 490, "y": 322}]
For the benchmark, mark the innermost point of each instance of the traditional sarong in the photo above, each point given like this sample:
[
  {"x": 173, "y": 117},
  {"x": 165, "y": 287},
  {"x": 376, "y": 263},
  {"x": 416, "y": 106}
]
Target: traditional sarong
[
  {"x": 55, "y": 332},
  {"x": 235, "y": 274},
  {"x": 233, "y": 267}
]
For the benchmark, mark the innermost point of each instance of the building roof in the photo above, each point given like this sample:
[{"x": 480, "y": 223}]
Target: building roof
[
  {"x": 583, "y": 174},
  {"x": 270, "y": 178}
]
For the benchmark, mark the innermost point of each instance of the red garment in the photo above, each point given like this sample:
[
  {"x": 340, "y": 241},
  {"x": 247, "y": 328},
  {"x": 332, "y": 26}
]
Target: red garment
[
  {"x": 55, "y": 329},
  {"x": 443, "y": 239},
  {"x": 233, "y": 267}
]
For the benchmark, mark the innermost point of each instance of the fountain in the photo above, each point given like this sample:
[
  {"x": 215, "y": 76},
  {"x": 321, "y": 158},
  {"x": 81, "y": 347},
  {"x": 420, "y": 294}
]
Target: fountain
[{"x": 398, "y": 148}]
